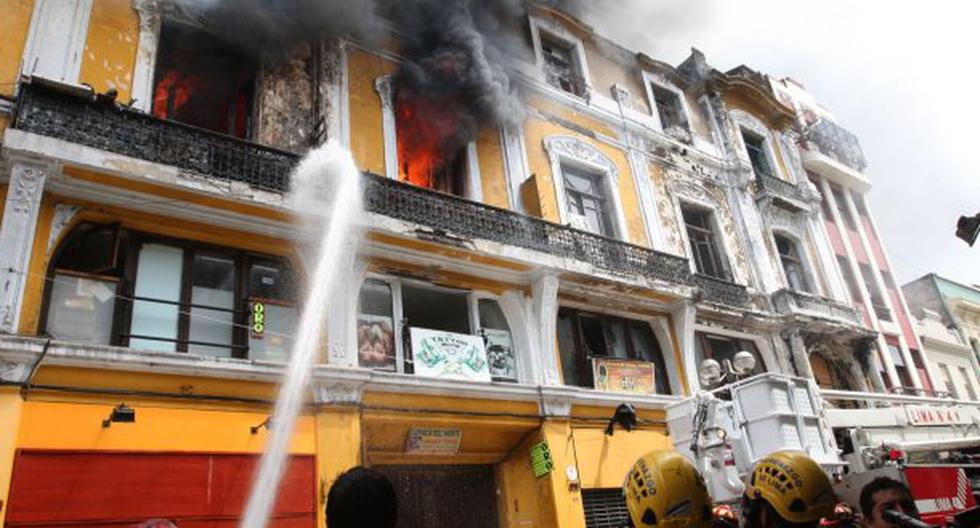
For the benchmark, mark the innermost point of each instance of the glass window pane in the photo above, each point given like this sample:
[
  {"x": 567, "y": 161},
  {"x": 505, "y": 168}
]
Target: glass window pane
[
  {"x": 271, "y": 280},
  {"x": 436, "y": 309},
  {"x": 491, "y": 316},
  {"x": 158, "y": 277},
  {"x": 896, "y": 355},
  {"x": 80, "y": 310},
  {"x": 212, "y": 285},
  {"x": 647, "y": 348},
  {"x": 275, "y": 342},
  {"x": 376, "y": 326},
  {"x": 570, "y": 355},
  {"x": 615, "y": 331}
]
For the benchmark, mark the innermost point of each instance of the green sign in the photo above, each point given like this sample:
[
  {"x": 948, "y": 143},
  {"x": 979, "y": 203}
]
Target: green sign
[{"x": 541, "y": 463}]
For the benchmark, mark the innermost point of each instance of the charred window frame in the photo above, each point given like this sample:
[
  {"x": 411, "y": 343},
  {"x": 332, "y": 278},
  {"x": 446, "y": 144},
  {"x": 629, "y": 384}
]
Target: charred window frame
[
  {"x": 389, "y": 307},
  {"x": 583, "y": 336},
  {"x": 699, "y": 223},
  {"x": 188, "y": 290},
  {"x": 792, "y": 262},
  {"x": 560, "y": 57},
  {"x": 203, "y": 81},
  {"x": 669, "y": 104}
]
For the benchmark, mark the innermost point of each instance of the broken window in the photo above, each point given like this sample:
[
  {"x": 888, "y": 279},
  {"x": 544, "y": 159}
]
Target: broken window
[
  {"x": 670, "y": 108},
  {"x": 432, "y": 147},
  {"x": 584, "y": 336},
  {"x": 202, "y": 81},
  {"x": 789, "y": 256},
  {"x": 877, "y": 301},
  {"x": 560, "y": 68},
  {"x": 588, "y": 207},
  {"x": 177, "y": 296},
  {"x": 701, "y": 235},
  {"x": 451, "y": 176},
  {"x": 898, "y": 360},
  {"x": 755, "y": 145}
]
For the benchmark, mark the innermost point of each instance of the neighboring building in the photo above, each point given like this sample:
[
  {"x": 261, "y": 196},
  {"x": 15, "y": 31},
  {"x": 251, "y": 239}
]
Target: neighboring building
[
  {"x": 948, "y": 317},
  {"x": 637, "y": 220}
]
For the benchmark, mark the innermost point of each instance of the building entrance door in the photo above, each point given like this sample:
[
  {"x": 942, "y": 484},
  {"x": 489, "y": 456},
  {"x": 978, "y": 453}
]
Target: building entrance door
[{"x": 444, "y": 496}]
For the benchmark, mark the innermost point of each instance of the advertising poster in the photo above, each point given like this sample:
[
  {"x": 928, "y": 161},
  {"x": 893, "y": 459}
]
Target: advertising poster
[
  {"x": 446, "y": 355},
  {"x": 500, "y": 355},
  {"x": 622, "y": 375},
  {"x": 375, "y": 342}
]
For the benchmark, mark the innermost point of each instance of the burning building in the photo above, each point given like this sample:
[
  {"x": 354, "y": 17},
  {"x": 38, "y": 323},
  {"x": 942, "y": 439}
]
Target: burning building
[{"x": 554, "y": 225}]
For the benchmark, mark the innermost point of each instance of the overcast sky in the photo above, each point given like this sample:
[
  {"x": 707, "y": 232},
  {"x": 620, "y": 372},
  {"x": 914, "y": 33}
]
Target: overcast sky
[{"x": 902, "y": 75}]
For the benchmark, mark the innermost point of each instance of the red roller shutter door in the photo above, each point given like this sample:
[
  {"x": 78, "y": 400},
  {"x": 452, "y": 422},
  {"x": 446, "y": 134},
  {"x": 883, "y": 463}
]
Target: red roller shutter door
[{"x": 99, "y": 489}]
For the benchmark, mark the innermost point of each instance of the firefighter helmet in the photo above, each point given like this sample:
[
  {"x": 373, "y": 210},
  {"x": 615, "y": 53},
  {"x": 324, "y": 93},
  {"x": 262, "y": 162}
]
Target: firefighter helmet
[
  {"x": 664, "y": 489},
  {"x": 794, "y": 485}
]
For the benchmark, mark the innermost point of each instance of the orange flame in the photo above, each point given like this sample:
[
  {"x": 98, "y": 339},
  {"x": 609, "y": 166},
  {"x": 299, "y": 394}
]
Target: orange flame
[{"x": 425, "y": 129}]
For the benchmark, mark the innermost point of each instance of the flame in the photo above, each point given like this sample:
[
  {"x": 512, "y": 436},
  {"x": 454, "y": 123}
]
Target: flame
[
  {"x": 426, "y": 130},
  {"x": 172, "y": 92}
]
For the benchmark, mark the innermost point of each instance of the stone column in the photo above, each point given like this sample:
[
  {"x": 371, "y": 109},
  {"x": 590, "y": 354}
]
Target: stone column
[
  {"x": 797, "y": 347},
  {"x": 342, "y": 314},
  {"x": 146, "y": 53},
  {"x": 385, "y": 86},
  {"x": 17, "y": 238},
  {"x": 544, "y": 295},
  {"x": 682, "y": 319}
]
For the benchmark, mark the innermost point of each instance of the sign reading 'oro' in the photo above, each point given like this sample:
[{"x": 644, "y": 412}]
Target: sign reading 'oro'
[
  {"x": 258, "y": 320},
  {"x": 447, "y": 355}
]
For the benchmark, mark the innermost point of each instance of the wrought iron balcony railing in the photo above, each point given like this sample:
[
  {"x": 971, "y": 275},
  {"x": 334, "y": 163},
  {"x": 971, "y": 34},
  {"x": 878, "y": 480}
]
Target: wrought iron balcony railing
[
  {"x": 789, "y": 301},
  {"x": 778, "y": 187},
  {"x": 838, "y": 143},
  {"x": 721, "y": 291},
  {"x": 79, "y": 118}
]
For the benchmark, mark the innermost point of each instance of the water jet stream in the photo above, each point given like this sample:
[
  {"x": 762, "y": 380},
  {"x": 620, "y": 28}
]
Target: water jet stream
[{"x": 325, "y": 190}]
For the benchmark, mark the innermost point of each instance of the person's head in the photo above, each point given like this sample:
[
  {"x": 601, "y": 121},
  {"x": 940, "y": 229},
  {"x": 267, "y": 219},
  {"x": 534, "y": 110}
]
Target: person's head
[
  {"x": 884, "y": 493},
  {"x": 155, "y": 523},
  {"x": 665, "y": 489},
  {"x": 362, "y": 498},
  {"x": 787, "y": 489}
]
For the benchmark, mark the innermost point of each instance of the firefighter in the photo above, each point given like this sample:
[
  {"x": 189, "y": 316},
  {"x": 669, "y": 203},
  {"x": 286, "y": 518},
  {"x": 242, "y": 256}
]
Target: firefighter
[
  {"x": 787, "y": 489},
  {"x": 665, "y": 489}
]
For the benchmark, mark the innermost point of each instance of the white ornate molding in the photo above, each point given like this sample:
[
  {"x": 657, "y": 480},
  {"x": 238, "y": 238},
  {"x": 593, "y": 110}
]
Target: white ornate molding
[
  {"x": 385, "y": 86},
  {"x": 63, "y": 216},
  {"x": 12, "y": 371},
  {"x": 16, "y": 238},
  {"x": 555, "y": 407},
  {"x": 577, "y": 150},
  {"x": 544, "y": 294},
  {"x": 146, "y": 52},
  {"x": 343, "y": 393}
]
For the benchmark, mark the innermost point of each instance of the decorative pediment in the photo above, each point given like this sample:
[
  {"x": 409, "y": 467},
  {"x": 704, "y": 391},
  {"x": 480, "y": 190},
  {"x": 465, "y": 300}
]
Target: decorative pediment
[{"x": 561, "y": 148}]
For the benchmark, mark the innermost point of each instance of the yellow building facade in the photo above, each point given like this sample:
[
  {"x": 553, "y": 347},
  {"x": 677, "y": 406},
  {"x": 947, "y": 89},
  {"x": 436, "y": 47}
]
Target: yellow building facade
[{"x": 145, "y": 226}]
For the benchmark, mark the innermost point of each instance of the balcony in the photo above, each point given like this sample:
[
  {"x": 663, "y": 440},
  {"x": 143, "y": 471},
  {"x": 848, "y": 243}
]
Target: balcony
[
  {"x": 77, "y": 116},
  {"x": 838, "y": 143},
  {"x": 721, "y": 291},
  {"x": 779, "y": 188},
  {"x": 792, "y": 302}
]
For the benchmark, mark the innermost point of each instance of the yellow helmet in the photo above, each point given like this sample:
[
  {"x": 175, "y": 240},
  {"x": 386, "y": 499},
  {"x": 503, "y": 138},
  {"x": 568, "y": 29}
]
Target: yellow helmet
[
  {"x": 794, "y": 485},
  {"x": 664, "y": 490}
]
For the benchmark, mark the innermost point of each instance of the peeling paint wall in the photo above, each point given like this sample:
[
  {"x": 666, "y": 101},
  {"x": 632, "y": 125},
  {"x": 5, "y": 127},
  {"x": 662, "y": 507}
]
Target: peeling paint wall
[
  {"x": 492, "y": 175},
  {"x": 15, "y": 21},
  {"x": 110, "y": 49},
  {"x": 366, "y": 136},
  {"x": 285, "y": 100}
]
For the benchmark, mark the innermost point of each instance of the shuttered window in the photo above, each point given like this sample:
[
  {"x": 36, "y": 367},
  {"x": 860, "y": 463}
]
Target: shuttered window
[{"x": 605, "y": 508}]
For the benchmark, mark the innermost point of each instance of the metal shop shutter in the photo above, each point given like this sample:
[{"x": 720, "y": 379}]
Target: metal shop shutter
[
  {"x": 605, "y": 508},
  {"x": 75, "y": 489}
]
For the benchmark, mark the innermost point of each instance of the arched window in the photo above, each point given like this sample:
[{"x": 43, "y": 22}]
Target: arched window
[{"x": 111, "y": 286}]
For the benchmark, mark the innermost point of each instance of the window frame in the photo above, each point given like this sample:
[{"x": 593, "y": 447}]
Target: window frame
[
  {"x": 127, "y": 246},
  {"x": 584, "y": 362},
  {"x": 766, "y": 360},
  {"x": 684, "y": 111},
  {"x": 473, "y": 298},
  {"x": 764, "y": 150},
  {"x": 546, "y": 29},
  {"x": 798, "y": 257},
  {"x": 716, "y": 239}
]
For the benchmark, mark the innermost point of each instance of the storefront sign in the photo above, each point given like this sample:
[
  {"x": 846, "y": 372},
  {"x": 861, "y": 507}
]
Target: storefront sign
[
  {"x": 500, "y": 355},
  {"x": 447, "y": 355},
  {"x": 258, "y": 320},
  {"x": 541, "y": 463},
  {"x": 621, "y": 375},
  {"x": 433, "y": 441},
  {"x": 924, "y": 415}
]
